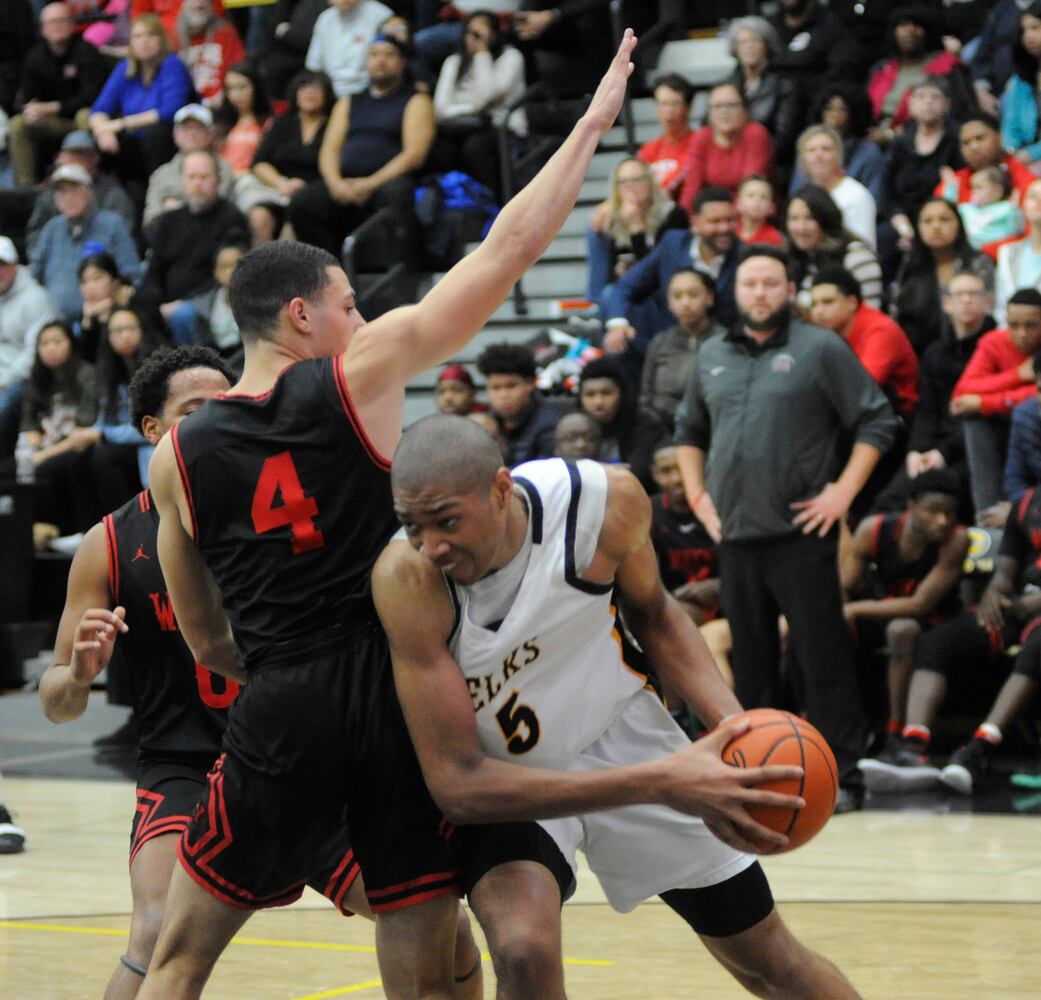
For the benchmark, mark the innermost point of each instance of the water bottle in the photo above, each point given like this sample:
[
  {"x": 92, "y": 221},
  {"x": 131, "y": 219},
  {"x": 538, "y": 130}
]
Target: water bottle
[{"x": 25, "y": 470}]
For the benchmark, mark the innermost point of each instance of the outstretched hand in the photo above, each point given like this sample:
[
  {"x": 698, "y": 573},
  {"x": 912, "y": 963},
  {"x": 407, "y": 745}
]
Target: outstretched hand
[
  {"x": 702, "y": 785},
  {"x": 94, "y": 641},
  {"x": 607, "y": 101}
]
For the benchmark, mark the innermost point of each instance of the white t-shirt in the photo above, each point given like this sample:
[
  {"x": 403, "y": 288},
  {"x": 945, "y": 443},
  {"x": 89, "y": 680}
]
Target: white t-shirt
[
  {"x": 858, "y": 209},
  {"x": 340, "y": 44}
]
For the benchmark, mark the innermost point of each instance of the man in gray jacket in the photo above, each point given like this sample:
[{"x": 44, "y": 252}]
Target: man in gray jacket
[
  {"x": 25, "y": 307},
  {"x": 769, "y": 414}
]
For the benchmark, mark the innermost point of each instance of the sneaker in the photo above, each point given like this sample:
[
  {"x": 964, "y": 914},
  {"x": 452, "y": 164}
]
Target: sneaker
[
  {"x": 902, "y": 767},
  {"x": 12, "y": 838},
  {"x": 968, "y": 765},
  {"x": 1029, "y": 777}
]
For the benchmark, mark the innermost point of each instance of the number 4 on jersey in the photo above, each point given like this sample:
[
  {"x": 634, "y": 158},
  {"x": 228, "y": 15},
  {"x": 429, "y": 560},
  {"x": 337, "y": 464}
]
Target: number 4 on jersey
[
  {"x": 279, "y": 481},
  {"x": 511, "y": 717}
]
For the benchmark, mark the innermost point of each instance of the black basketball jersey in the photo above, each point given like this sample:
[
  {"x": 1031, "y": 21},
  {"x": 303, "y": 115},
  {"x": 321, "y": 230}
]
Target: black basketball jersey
[
  {"x": 181, "y": 707},
  {"x": 290, "y": 505},
  {"x": 1022, "y": 538},
  {"x": 686, "y": 552},
  {"x": 894, "y": 575}
]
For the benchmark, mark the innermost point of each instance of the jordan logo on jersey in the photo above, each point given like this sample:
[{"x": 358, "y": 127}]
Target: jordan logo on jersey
[
  {"x": 483, "y": 689},
  {"x": 140, "y": 554},
  {"x": 164, "y": 612}
]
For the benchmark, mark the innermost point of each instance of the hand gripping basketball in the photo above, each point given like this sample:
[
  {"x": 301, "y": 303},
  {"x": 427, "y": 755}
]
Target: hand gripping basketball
[{"x": 776, "y": 737}]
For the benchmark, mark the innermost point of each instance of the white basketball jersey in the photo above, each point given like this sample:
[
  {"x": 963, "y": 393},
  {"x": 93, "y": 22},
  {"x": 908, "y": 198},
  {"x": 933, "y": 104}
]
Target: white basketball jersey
[{"x": 550, "y": 679}]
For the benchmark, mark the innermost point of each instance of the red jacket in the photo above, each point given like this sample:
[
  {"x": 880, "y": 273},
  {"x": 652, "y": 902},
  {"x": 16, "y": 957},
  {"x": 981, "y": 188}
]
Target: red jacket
[
  {"x": 1021, "y": 175},
  {"x": 887, "y": 354},
  {"x": 709, "y": 165},
  {"x": 884, "y": 79},
  {"x": 667, "y": 160},
  {"x": 167, "y": 11},
  {"x": 993, "y": 374}
]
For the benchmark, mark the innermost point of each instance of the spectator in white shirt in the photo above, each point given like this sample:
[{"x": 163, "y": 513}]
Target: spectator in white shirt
[{"x": 341, "y": 40}]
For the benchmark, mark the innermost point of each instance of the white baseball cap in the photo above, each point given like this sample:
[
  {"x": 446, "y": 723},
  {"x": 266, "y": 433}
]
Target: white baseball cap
[
  {"x": 71, "y": 173},
  {"x": 8, "y": 253},
  {"x": 195, "y": 112}
]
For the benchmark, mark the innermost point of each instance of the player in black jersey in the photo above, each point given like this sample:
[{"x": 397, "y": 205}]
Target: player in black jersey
[
  {"x": 970, "y": 653},
  {"x": 274, "y": 503},
  {"x": 116, "y": 589},
  {"x": 901, "y": 574},
  {"x": 115, "y": 579}
]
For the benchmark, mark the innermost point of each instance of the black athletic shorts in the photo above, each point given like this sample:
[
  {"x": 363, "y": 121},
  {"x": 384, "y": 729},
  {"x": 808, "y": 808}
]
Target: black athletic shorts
[
  {"x": 167, "y": 793},
  {"x": 308, "y": 739}
]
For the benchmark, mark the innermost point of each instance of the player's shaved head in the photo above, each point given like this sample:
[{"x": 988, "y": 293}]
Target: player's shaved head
[{"x": 445, "y": 450}]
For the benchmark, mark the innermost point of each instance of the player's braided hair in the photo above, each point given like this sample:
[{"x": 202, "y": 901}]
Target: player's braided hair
[{"x": 151, "y": 382}]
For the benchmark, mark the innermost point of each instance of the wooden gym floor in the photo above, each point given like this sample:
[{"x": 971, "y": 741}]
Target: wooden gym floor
[{"x": 934, "y": 901}]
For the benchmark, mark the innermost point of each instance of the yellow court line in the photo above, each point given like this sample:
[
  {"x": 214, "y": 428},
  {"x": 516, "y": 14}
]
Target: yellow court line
[
  {"x": 356, "y": 988},
  {"x": 367, "y": 949}
]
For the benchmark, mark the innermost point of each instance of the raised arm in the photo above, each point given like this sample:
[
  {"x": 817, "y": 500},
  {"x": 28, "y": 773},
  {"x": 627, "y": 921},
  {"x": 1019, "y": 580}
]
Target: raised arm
[
  {"x": 86, "y": 634},
  {"x": 385, "y": 354},
  {"x": 193, "y": 591}
]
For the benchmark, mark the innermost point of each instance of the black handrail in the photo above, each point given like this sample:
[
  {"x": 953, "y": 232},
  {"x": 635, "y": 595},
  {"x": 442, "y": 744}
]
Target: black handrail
[{"x": 618, "y": 29}]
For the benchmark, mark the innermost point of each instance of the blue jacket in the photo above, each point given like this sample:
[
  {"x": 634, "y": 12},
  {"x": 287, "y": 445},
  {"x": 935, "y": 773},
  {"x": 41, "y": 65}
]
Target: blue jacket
[
  {"x": 1023, "y": 465},
  {"x": 122, "y": 95},
  {"x": 649, "y": 278},
  {"x": 993, "y": 59},
  {"x": 1019, "y": 118},
  {"x": 58, "y": 251}
]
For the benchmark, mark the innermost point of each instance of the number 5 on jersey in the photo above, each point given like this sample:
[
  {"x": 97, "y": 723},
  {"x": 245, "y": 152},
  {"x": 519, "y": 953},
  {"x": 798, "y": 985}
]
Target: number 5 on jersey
[
  {"x": 513, "y": 718},
  {"x": 279, "y": 481}
]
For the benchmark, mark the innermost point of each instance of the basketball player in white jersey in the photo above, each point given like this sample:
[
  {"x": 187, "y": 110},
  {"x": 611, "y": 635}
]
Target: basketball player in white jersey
[{"x": 501, "y": 618}]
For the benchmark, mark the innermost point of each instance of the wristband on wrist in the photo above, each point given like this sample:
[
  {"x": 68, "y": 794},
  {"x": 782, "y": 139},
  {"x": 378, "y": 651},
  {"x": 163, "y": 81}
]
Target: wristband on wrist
[{"x": 696, "y": 499}]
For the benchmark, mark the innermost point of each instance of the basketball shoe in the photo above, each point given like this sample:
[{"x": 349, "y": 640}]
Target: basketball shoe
[
  {"x": 12, "y": 838},
  {"x": 903, "y": 766},
  {"x": 1029, "y": 776},
  {"x": 967, "y": 766}
]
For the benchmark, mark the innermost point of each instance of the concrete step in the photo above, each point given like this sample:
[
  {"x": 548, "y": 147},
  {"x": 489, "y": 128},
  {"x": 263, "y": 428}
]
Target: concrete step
[
  {"x": 565, "y": 280},
  {"x": 703, "y": 61},
  {"x": 614, "y": 138},
  {"x": 562, "y": 248},
  {"x": 575, "y": 224},
  {"x": 417, "y": 405}
]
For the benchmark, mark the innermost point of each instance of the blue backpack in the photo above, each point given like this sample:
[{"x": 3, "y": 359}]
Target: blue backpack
[{"x": 453, "y": 209}]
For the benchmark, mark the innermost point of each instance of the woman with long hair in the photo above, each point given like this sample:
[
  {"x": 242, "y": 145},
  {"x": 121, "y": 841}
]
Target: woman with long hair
[
  {"x": 241, "y": 121},
  {"x": 636, "y": 213},
  {"x": 1020, "y": 107},
  {"x": 287, "y": 158},
  {"x": 132, "y": 118},
  {"x": 939, "y": 250},
  {"x": 119, "y": 458},
  {"x": 103, "y": 289},
  {"x": 818, "y": 238},
  {"x": 475, "y": 88},
  {"x": 58, "y": 413}
]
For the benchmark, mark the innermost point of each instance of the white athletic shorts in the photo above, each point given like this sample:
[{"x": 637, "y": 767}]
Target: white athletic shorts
[{"x": 640, "y": 851}]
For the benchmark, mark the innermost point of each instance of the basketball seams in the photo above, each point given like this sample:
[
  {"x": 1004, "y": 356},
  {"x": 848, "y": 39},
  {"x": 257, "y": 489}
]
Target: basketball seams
[{"x": 809, "y": 743}]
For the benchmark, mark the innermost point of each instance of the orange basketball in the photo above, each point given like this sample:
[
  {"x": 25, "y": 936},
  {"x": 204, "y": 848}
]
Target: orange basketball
[{"x": 777, "y": 737}]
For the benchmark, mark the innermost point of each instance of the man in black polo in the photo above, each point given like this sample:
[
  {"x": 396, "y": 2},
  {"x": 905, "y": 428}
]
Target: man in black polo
[
  {"x": 768, "y": 415},
  {"x": 61, "y": 76}
]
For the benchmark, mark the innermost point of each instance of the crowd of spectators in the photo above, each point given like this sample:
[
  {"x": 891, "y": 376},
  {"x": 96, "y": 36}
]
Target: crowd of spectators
[{"x": 888, "y": 153}]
